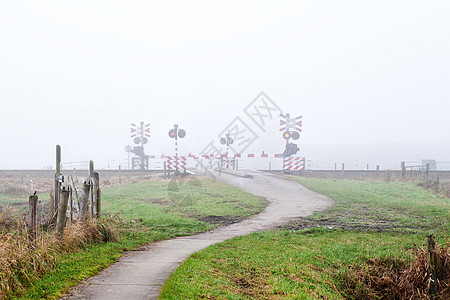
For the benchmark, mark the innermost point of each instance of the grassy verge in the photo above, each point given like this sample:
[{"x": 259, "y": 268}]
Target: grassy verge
[
  {"x": 367, "y": 247},
  {"x": 379, "y": 206},
  {"x": 140, "y": 213},
  {"x": 283, "y": 264}
]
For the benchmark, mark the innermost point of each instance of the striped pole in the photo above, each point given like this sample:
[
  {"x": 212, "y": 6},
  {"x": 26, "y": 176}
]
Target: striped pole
[{"x": 176, "y": 152}]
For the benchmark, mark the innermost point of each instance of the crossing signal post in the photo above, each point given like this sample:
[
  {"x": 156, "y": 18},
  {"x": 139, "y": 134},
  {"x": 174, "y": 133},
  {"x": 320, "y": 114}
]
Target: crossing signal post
[
  {"x": 140, "y": 134},
  {"x": 176, "y": 133},
  {"x": 227, "y": 140},
  {"x": 291, "y": 130}
]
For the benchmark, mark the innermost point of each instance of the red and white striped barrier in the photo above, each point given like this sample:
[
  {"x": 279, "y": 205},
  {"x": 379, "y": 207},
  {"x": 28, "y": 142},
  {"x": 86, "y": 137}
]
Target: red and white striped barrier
[
  {"x": 238, "y": 155},
  {"x": 227, "y": 162},
  {"x": 293, "y": 163},
  {"x": 176, "y": 163},
  {"x": 137, "y": 162}
]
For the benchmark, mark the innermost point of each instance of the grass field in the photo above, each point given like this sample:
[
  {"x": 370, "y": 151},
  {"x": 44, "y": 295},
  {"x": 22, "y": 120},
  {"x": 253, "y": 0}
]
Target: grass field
[
  {"x": 363, "y": 248},
  {"x": 379, "y": 206},
  {"x": 141, "y": 212}
]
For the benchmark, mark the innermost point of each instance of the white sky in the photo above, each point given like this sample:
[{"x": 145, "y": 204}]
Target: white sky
[{"x": 76, "y": 73}]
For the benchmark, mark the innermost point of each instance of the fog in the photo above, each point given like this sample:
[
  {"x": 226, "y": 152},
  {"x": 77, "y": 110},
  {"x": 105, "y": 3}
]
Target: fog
[{"x": 370, "y": 78}]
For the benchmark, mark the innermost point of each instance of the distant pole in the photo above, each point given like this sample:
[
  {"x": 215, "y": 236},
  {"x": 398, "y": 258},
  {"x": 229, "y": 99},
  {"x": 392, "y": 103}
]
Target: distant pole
[
  {"x": 120, "y": 175},
  {"x": 343, "y": 165},
  {"x": 367, "y": 167},
  {"x": 335, "y": 166}
]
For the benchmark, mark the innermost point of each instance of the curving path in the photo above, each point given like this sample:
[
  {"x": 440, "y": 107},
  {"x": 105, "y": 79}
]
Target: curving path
[{"x": 140, "y": 274}]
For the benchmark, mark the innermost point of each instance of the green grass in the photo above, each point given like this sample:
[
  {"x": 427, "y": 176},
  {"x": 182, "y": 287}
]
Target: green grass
[
  {"x": 317, "y": 263},
  {"x": 13, "y": 201},
  {"x": 390, "y": 205},
  {"x": 144, "y": 212},
  {"x": 190, "y": 197},
  {"x": 283, "y": 264}
]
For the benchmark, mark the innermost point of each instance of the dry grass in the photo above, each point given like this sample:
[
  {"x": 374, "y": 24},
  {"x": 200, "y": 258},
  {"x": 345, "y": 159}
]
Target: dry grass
[
  {"x": 21, "y": 260},
  {"x": 393, "y": 279}
]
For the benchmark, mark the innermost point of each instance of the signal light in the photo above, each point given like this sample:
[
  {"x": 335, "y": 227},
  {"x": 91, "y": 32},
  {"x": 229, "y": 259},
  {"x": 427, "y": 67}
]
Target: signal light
[
  {"x": 177, "y": 133},
  {"x": 287, "y": 135},
  {"x": 226, "y": 140},
  {"x": 181, "y": 133},
  {"x": 295, "y": 135},
  {"x": 172, "y": 133}
]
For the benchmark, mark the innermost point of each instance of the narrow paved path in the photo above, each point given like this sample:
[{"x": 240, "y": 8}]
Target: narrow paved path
[{"x": 140, "y": 274}]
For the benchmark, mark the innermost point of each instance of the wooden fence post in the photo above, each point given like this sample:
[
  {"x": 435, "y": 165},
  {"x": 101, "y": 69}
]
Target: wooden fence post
[
  {"x": 433, "y": 266},
  {"x": 92, "y": 192},
  {"x": 57, "y": 182},
  {"x": 71, "y": 204},
  {"x": 99, "y": 202},
  {"x": 120, "y": 175},
  {"x": 85, "y": 201},
  {"x": 32, "y": 221},
  {"x": 95, "y": 192},
  {"x": 403, "y": 167},
  {"x": 62, "y": 212}
]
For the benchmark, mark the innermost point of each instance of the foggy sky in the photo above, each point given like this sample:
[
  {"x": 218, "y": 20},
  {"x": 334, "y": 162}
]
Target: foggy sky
[{"x": 77, "y": 73}]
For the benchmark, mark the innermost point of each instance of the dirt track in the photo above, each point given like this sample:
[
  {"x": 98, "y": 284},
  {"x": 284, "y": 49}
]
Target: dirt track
[{"x": 140, "y": 274}]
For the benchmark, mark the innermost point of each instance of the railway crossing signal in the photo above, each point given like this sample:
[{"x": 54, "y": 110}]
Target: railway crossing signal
[
  {"x": 140, "y": 134},
  {"x": 290, "y": 123},
  {"x": 176, "y": 133},
  {"x": 227, "y": 140},
  {"x": 291, "y": 130}
]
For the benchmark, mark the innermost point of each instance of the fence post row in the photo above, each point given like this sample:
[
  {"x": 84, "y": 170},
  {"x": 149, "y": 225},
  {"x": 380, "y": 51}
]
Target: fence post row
[{"x": 60, "y": 201}]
